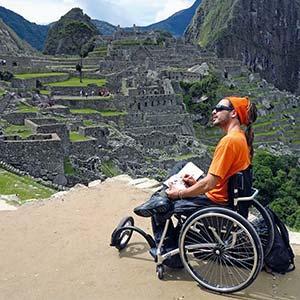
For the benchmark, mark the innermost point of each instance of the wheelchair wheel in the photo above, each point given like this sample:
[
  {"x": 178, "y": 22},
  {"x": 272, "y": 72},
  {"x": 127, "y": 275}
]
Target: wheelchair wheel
[
  {"x": 220, "y": 250},
  {"x": 160, "y": 271},
  {"x": 119, "y": 237},
  {"x": 262, "y": 223}
]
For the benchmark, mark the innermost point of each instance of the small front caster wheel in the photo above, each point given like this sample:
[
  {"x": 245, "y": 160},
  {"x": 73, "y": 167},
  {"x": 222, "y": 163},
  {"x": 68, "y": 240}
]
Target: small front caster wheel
[{"x": 120, "y": 238}]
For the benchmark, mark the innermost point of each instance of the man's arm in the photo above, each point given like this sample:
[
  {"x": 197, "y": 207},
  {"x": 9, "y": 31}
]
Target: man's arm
[{"x": 200, "y": 187}]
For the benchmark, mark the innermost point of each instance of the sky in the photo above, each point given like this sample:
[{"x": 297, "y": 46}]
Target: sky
[{"x": 116, "y": 12}]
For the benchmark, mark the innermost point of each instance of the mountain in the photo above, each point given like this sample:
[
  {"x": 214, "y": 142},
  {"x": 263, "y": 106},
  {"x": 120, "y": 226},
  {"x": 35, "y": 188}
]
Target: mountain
[
  {"x": 177, "y": 23},
  {"x": 71, "y": 34},
  {"x": 11, "y": 44},
  {"x": 34, "y": 34},
  {"x": 264, "y": 34},
  {"x": 104, "y": 28}
]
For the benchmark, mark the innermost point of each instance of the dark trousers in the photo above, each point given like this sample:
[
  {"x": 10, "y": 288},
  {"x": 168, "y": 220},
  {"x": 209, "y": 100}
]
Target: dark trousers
[{"x": 184, "y": 207}]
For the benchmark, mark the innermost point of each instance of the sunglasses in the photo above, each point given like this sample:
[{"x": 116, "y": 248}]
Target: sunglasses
[{"x": 220, "y": 107}]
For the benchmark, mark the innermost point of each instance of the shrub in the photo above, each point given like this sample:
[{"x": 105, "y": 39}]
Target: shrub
[{"x": 278, "y": 181}]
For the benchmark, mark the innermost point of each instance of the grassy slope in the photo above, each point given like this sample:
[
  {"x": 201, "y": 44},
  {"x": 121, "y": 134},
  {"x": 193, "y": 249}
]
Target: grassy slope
[
  {"x": 216, "y": 20},
  {"x": 37, "y": 75},
  {"x": 24, "y": 187}
]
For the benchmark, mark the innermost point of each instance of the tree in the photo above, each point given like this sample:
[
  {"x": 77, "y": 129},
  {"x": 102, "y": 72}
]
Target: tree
[
  {"x": 79, "y": 69},
  {"x": 277, "y": 179}
]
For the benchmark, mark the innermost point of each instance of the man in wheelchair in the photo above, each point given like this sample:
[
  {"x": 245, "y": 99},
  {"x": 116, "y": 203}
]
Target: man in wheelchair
[{"x": 233, "y": 154}]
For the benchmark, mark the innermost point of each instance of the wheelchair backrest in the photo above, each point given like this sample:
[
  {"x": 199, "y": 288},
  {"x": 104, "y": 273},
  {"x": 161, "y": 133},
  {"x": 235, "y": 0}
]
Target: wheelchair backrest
[{"x": 240, "y": 185}]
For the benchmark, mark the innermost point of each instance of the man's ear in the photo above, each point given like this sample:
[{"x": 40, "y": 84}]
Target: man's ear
[{"x": 234, "y": 114}]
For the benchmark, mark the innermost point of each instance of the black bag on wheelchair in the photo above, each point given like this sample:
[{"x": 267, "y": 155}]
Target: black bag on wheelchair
[{"x": 281, "y": 257}]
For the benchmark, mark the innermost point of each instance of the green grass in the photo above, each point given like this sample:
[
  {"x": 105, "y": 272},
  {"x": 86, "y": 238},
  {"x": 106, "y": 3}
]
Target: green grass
[
  {"x": 127, "y": 43},
  {"x": 23, "y": 186},
  {"x": 104, "y": 113},
  {"x": 37, "y": 75},
  {"x": 27, "y": 108},
  {"x": 45, "y": 92},
  {"x": 100, "y": 53},
  {"x": 75, "y": 81},
  {"x": 89, "y": 98},
  {"x": 109, "y": 169},
  {"x": 88, "y": 123},
  {"x": 112, "y": 113},
  {"x": 19, "y": 130},
  {"x": 85, "y": 111},
  {"x": 2, "y": 92},
  {"x": 215, "y": 22},
  {"x": 68, "y": 168},
  {"x": 76, "y": 137}
]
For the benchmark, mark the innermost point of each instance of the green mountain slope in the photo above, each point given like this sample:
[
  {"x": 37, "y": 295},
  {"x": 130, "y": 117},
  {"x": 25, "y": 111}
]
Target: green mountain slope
[
  {"x": 11, "y": 44},
  {"x": 264, "y": 34},
  {"x": 32, "y": 33}
]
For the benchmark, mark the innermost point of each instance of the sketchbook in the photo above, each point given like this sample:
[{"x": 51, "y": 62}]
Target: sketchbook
[{"x": 177, "y": 179}]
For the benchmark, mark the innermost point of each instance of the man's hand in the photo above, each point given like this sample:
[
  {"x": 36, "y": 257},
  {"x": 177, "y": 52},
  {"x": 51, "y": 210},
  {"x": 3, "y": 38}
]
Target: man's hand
[
  {"x": 188, "y": 180},
  {"x": 172, "y": 193}
]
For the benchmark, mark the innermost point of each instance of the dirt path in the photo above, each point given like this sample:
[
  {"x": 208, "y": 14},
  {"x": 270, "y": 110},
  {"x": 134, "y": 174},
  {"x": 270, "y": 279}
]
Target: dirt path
[{"x": 59, "y": 249}]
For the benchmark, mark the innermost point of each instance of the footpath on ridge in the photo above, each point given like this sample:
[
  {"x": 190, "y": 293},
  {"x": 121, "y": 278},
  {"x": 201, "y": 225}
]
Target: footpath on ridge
[{"x": 59, "y": 249}]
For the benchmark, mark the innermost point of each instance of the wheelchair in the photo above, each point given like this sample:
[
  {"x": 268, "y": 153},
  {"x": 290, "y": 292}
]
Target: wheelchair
[{"x": 222, "y": 248}]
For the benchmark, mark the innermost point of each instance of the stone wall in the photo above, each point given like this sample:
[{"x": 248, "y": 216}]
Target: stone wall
[
  {"x": 40, "y": 157},
  {"x": 50, "y": 126},
  {"x": 18, "y": 118},
  {"x": 98, "y": 132},
  {"x": 156, "y": 103},
  {"x": 32, "y": 82},
  {"x": 178, "y": 75},
  {"x": 147, "y": 129},
  {"x": 156, "y": 139},
  {"x": 91, "y": 89},
  {"x": 84, "y": 149},
  {"x": 98, "y": 104},
  {"x": 162, "y": 119}
]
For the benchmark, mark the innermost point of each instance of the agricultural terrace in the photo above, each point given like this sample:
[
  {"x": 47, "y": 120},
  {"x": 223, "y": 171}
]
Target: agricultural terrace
[
  {"x": 75, "y": 81},
  {"x": 103, "y": 113},
  {"x": 37, "y": 75}
]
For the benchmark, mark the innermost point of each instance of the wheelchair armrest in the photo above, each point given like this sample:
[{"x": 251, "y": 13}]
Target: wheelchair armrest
[{"x": 236, "y": 200}]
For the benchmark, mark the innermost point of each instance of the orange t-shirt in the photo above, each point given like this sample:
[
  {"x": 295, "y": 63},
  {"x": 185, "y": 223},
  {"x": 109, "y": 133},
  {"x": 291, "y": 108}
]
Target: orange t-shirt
[{"x": 231, "y": 156}]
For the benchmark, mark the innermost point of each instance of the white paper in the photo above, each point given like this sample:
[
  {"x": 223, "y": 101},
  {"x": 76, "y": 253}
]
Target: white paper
[{"x": 177, "y": 179}]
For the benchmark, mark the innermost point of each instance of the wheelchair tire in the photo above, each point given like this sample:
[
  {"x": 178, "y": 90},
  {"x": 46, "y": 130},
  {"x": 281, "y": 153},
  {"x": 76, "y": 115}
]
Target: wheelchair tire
[
  {"x": 220, "y": 249},
  {"x": 263, "y": 225},
  {"x": 160, "y": 270},
  {"x": 119, "y": 237}
]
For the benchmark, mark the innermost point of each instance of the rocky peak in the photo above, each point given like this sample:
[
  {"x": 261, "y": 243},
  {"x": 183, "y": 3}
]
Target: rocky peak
[
  {"x": 264, "y": 34},
  {"x": 71, "y": 34},
  {"x": 76, "y": 13}
]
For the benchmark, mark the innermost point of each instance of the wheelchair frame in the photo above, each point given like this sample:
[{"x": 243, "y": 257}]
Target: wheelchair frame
[{"x": 122, "y": 234}]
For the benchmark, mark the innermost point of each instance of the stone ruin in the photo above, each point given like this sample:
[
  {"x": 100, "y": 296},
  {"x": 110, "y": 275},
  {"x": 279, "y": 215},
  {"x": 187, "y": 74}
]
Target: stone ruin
[{"x": 146, "y": 128}]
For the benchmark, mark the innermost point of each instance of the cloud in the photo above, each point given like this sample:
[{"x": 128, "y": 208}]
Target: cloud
[
  {"x": 123, "y": 12},
  {"x": 39, "y": 11}
]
